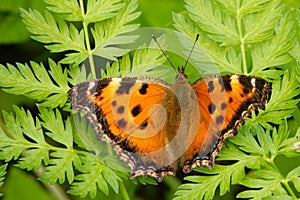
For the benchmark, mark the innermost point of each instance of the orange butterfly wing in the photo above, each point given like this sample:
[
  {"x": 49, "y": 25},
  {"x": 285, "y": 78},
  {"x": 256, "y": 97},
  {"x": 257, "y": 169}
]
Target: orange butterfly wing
[
  {"x": 224, "y": 102},
  {"x": 131, "y": 114}
]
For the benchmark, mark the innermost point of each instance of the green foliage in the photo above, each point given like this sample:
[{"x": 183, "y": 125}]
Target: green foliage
[
  {"x": 250, "y": 37},
  {"x": 36, "y": 83},
  {"x": 108, "y": 25},
  {"x": 254, "y": 153},
  {"x": 2, "y": 174},
  {"x": 253, "y": 37}
]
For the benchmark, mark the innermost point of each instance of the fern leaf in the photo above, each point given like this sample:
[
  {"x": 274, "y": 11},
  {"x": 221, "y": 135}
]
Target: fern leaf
[
  {"x": 226, "y": 60},
  {"x": 283, "y": 101},
  {"x": 107, "y": 33},
  {"x": 95, "y": 173},
  {"x": 15, "y": 144},
  {"x": 220, "y": 25},
  {"x": 101, "y": 10},
  {"x": 70, "y": 9},
  {"x": 58, "y": 130},
  {"x": 259, "y": 25},
  {"x": 274, "y": 52},
  {"x": 204, "y": 187},
  {"x": 2, "y": 174},
  {"x": 256, "y": 154},
  {"x": 57, "y": 35},
  {"x": 61, "y": 166},
  {"x": 35, "y": 83},
  {"x": 238, "y": 26},
  {"x": 144, "y": 62},
  {"x": 267, "y": 183},
  {"x": 294, "y": 176}
]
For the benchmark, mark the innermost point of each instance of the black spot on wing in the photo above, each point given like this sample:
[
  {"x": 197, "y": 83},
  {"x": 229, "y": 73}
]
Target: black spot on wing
[
  {"x": 260, "y": 84},
  {"x": 223, "y": 106},
  {"x": 226, "y": 82},
  {"x": 120, "y": 109},
  {"x": 143, "y": 89},
  {"x": 230, "y": 100},
  {"x": 122, "y": 123},
  {"x": 100, "y": 85},
  {"x": 220, "y": 119},
  {"x": 113, "y": 103},
  {"x": 143, "y": 125},
  {"x": 125, "y": 85},
  {"x": 246, "y": 82},
  {"x": 136, "y": 110},
  {"x": 211, "y": 86},
  {"x": 211, "y": 108},
  {"x": 221, "y": 83},
  {"x": 126, "y": 145}
]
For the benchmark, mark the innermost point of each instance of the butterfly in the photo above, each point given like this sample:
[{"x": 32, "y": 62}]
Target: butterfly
[{"x": 157, "y": 127}]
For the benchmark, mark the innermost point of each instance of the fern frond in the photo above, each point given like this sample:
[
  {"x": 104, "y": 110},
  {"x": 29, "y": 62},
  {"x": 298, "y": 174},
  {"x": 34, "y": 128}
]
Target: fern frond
[
  {"x": 220, "y": 25},
  {"x": 107, "y": 34},
  {"x": 283, "y": 101},
  {"x": 58, "y": 36},
  {"x": 96, "y": 10},
  {"x": 234, "y": 32},
  {"x": 14, "y": 144},
  {"x": 36, "y": 83},
  {"x": 274, "y": 52},
  {"x": 2, "y": 174},
  {"x": 145, "y": 62},
  {"x": 256, "y": 154},
  {"x": 95, "y": 175},
  {"x": 226, "y": 60}
]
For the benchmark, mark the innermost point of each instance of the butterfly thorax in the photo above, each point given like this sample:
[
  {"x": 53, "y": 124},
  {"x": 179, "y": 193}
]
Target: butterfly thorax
[{"x": 183, "y": 115}]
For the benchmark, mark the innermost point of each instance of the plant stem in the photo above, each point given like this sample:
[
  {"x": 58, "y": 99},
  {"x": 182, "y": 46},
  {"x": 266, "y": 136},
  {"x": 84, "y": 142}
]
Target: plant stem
[
  {"x": 87, "y": 40},
  {"x": 284, "y": 182},
  {"x": 55, "y": 189},
  {"x": 123, "y": 191},
  {"x": 241, "y": 38},
  {"x": 289, "y": 189}
]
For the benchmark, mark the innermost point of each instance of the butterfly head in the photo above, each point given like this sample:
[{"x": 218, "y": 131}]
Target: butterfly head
[{"x": 181, "y": 75}]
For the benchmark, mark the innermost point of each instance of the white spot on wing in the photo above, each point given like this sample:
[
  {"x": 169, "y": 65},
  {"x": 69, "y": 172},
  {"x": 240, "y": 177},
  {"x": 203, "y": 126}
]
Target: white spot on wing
[
  {"x": 253, "y": 84},
  {"x": 91, "y": 85},
  {"x": 117, "y": 79}
]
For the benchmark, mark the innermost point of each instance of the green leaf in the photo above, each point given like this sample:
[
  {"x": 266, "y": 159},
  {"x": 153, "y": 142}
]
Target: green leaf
[
  {"x": 35, "y": 83},
  {"x": 34, "y": 152},
  {"x": 101, "y": 10},
  {"x": 221, "y": 26},
  {"x": 204, "y": 187},
  {"x": 61, "y": 165},
  {"x": 145, "y": 62},
  {"x": 255, "y": 29},
  {"x": 260, "y": 19},
  {"x": 95, "y": 173},
  {"x": 283, "y": 101},
  {"x": 264, "y": 187},
  {"x": 294, "y": 176},
  {"x": 227, "y": 60},
  {"x": 58, "y": 130},
  {"x": 107, "y": 33},
  {"x": 57, "y": 34},
  {"x": 70, "y": 9},
  {"x": 274, "y": 52},
  {"x": 2, "y": 175}
]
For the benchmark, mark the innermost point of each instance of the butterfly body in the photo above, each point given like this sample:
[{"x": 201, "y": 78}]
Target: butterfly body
[{"x": 155, "y": 126}]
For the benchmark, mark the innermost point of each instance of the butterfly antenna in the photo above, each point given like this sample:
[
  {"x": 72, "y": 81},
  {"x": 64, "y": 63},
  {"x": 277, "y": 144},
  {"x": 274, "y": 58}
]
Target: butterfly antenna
[
  {"x": 187, "y": 60},
  {"x": 155, "y": 40}
]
